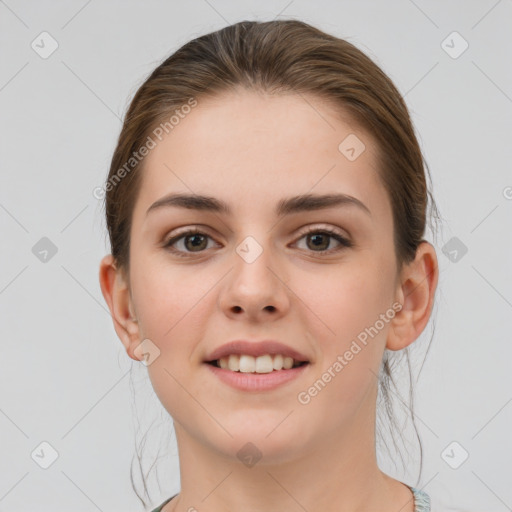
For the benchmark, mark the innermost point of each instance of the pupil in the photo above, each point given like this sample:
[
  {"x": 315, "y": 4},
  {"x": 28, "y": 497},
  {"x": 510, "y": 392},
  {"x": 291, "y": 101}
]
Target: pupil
[
  {"x": 196, "y": 243},
  {"x": 314, "y": 237}
]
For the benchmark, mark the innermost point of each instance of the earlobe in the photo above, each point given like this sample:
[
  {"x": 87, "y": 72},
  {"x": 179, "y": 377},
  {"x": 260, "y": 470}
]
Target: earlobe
[
  {"x": 116, "y": 292},
  {"x": 416, "y": 294}
]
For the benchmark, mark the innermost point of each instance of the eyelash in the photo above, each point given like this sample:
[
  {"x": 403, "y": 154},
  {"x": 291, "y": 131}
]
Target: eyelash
[{"x": 345, "y": 243}]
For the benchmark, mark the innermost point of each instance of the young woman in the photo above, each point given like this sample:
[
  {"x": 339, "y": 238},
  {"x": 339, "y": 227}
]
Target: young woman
[{"x": 266, "y": 207}]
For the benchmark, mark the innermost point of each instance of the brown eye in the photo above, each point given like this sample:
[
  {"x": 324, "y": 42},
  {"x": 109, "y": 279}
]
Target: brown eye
[
  {"x": 190, "y": 241},
  {"x": 197, "y": 242},
  {"x": 319, "y": 240}
]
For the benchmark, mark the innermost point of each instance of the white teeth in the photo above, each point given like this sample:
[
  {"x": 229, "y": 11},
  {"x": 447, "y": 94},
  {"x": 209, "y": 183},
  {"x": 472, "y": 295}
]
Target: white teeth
[
  {"x": 278, "y": 362},
  {"x": 261, "y": 364},
  {"x": 247, "y": 364},
  {"x": 264, "y": 364},
  {"x": 234, "y": 363},
  {"x": 288, "y": 363}
]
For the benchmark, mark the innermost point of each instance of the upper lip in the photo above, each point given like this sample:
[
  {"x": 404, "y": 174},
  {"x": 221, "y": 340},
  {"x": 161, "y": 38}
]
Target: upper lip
[{"x": 255, "y": 349}]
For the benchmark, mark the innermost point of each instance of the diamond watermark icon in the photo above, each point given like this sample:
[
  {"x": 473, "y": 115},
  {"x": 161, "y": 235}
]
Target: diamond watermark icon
[
  {"x": 44, "y": 250},
  {"x": 44, "y": 45},
  {"x": 146, "y": 351},
  {"x": 249, "y": 454},
  {"x": 249, "y": 249},
  {"x": 454, "y": 249},
  {"x": 351, "y": 147},
  {"x": 454, "y": 45},
  {"x": 454, "y": 455},
  {"x": 44, "y": 455}
]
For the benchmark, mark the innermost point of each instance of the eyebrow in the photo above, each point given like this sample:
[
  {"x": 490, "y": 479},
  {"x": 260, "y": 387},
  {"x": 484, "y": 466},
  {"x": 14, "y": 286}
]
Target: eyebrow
[{"x": 295, "y": 204}]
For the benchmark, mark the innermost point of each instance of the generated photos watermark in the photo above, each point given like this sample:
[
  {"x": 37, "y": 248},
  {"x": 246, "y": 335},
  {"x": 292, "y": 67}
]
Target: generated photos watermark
[
  {"x": 157, "y": 135},
  {"x": 342, "y": 360}
]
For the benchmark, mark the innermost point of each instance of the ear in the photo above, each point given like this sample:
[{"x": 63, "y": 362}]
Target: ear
[
  {"x": 416, "y": 290},
  {"x": 116, "y": 291}
]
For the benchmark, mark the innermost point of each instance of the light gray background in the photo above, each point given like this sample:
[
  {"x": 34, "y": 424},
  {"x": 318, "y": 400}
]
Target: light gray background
[{"x": 64, "y": 376}]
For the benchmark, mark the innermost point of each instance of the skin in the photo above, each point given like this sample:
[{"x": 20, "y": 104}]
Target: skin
[{"x": 251, "y": 150}]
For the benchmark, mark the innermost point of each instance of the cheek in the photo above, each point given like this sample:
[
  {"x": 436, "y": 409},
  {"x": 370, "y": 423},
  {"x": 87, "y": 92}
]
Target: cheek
[
  {"x": 169, "y": 303},
  {"x": 343, "y": 301},
  {"x": 173, "y": 307},
  {"x": 344, "y": 320}
]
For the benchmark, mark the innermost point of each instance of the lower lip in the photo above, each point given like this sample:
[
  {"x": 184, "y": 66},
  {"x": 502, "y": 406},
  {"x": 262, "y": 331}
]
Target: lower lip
[{"x": 257, "y": 381}]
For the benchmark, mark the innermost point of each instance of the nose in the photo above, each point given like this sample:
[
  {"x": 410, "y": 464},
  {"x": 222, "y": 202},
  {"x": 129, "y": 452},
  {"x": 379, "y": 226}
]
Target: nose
[{"x": 255, "y": 287}]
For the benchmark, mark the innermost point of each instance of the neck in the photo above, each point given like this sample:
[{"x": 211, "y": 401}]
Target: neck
[{"x": 337, "y": 473}]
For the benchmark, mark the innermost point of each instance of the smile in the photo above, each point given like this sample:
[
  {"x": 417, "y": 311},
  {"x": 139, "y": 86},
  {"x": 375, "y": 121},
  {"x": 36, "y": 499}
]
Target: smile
[
  {"x": 252, "y": 381},
  {"x": 266, "y": 363}
]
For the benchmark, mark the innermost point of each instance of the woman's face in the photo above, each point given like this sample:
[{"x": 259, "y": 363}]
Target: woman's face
[{"x": 252, "y": 274}]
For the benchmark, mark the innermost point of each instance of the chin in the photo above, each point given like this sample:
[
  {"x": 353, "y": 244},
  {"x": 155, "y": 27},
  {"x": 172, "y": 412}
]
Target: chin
[
  {"x": 262, "y": 442},
  {"x": 260, "y": 453}
]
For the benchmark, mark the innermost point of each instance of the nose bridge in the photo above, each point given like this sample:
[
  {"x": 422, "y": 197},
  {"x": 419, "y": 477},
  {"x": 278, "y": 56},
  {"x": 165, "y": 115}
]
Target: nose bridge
[
  {"x": 254, "y": 284},
  {"x": 254, "y": 256}
]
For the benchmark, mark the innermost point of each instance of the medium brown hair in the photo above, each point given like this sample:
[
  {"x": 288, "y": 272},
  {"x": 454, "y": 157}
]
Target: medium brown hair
[{"x": 282, "y": 57}]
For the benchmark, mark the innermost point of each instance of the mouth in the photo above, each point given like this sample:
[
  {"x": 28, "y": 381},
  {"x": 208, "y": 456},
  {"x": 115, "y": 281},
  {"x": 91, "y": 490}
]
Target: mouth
[
  {"x": 257, "y": 366},
  {"x": 266, "y": 363}
]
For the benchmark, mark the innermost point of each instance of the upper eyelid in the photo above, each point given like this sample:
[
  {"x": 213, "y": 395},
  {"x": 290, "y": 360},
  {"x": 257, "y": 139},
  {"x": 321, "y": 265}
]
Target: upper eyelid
[
  {"x": 303, "y": 231},
  {"x": 319, "y": 227}
]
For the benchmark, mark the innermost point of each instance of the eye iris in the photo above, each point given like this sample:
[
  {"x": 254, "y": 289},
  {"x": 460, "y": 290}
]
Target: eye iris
[
  {"x": 195, "y": 244},
  {"x": 314, "y": 238}
]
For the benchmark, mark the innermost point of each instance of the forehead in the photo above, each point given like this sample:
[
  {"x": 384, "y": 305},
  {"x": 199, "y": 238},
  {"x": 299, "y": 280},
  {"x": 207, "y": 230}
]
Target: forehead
[{"x": 263, "y": 147}]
